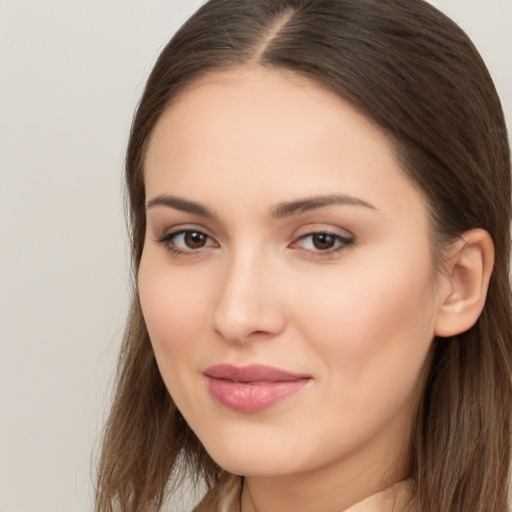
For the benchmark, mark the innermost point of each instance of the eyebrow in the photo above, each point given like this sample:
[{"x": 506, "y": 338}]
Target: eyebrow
[
  {"x": 178, "y": 203},
  {"x": 311, "y": 203},
  {"x": 282, "y": 210}
]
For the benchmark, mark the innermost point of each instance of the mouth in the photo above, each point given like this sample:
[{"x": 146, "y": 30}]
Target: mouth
[{"x": 254, "y": 387}]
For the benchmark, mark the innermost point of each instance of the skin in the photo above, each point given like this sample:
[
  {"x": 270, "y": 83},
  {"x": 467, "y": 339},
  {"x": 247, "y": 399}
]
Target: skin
[{"x": 359, "y": 318}]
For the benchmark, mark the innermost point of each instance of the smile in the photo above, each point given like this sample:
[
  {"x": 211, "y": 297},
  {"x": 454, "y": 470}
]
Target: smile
[{"x": 252, "y": 388}]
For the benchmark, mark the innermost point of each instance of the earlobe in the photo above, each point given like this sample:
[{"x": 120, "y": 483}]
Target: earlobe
[{"x": 466, "y": 283}]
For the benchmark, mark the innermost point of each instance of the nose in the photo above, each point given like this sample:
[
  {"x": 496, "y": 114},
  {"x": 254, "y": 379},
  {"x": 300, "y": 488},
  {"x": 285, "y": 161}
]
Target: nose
[{"x": 248, "y": 305}]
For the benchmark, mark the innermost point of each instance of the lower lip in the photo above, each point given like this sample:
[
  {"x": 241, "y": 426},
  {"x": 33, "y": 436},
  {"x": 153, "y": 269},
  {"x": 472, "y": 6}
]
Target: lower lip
[{"x": 253, "y": 396}]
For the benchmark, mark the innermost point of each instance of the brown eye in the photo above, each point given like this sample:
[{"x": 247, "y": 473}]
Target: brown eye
[
  {"x": 323, "y": 241},
  {"x": 195, "y": 240},
  {"x": 187, "y": 241}
]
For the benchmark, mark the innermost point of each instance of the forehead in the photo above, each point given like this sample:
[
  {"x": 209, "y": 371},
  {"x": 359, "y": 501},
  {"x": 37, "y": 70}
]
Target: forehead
[{"x": 272, "y": 133}]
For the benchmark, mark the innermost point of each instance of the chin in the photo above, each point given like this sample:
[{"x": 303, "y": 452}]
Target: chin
[
  {"x": 252, "y": 459},
  {"x": 262, "y": 467}
]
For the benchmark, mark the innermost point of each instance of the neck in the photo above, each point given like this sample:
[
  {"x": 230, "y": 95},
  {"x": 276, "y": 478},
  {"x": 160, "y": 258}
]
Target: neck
[{"x": 327, "y": 489}]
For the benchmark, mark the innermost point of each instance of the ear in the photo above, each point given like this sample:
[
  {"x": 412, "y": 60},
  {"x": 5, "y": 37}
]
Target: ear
[{"x": 465, "y": 283}]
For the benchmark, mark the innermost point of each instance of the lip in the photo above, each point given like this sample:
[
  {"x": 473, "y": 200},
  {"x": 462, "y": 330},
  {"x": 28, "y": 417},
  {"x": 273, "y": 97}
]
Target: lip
[{"x": 252, "y": 388}]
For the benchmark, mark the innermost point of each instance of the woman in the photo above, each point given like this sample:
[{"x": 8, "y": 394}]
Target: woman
[{"x": 319, "y": 198}]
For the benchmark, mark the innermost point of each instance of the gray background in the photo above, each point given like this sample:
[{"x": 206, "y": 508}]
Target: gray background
[{"x": 71, "y": 73}]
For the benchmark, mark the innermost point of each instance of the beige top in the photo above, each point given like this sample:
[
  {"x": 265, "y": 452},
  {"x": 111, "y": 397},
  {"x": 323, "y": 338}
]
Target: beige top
[
  {"x": 397, "y": 498},
  {"x": 226, "y": 498}
]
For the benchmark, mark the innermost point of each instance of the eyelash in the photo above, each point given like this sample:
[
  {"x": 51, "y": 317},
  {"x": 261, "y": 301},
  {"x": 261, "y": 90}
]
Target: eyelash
[
  {"x": 340, "y": 242},
  {"x": 168, "y": 241}
]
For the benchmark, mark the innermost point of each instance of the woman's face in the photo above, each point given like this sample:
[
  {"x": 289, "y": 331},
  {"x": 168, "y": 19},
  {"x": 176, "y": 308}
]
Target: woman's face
[{"x": 286, "y": 278}]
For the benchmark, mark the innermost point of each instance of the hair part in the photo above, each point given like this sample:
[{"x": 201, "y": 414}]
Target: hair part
[{"x": 416, "y": 74}]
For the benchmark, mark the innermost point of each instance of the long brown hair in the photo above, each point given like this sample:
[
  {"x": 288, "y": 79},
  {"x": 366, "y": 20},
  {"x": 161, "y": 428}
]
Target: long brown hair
[{"x": 417, "y": 75}]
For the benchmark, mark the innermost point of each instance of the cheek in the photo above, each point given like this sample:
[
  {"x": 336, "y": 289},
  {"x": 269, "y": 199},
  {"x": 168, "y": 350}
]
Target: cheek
[
  {"x": 174, "y": 311},
  {"x": 373, "y": 327}
]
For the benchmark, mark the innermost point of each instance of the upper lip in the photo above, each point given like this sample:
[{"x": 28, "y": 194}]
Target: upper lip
[{"x": 252, "y": 373}]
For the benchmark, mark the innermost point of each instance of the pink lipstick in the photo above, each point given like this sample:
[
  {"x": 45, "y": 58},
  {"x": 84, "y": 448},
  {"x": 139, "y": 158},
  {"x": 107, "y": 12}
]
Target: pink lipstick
[{"x": 252, "y": 388}]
